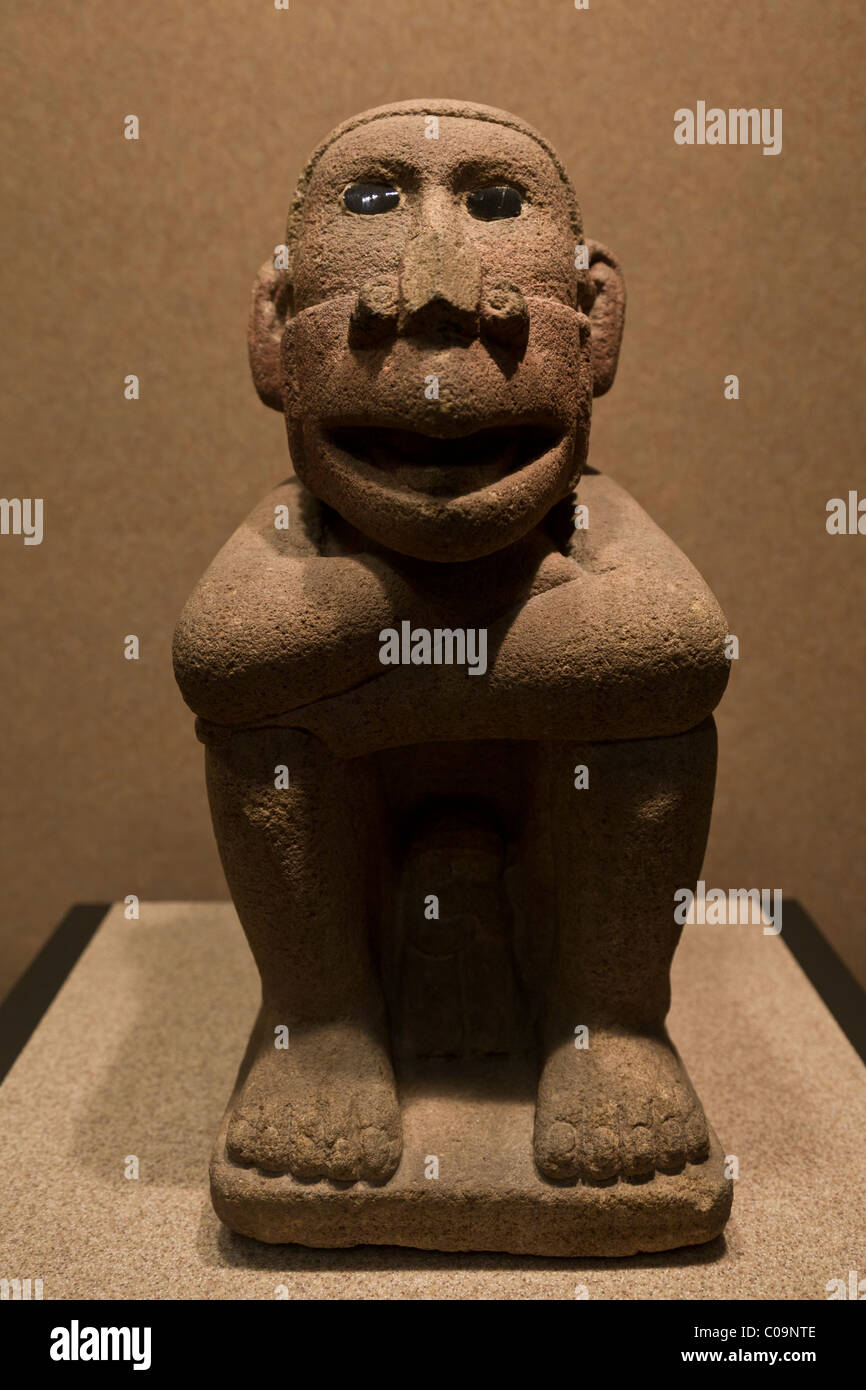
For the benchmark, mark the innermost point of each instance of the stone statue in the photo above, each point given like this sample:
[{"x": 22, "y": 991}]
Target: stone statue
[{"x": 457, "y": 714}]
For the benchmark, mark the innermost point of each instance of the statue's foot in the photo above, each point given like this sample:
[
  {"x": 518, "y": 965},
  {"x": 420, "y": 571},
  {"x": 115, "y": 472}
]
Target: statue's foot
[
  {"x": 325, "y": 1107},
  {"x": 623, "y": 1107}
]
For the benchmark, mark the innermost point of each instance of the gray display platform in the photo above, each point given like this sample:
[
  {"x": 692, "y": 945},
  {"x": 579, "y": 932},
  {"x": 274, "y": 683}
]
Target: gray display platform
[{"x": 131, "y": 1068}]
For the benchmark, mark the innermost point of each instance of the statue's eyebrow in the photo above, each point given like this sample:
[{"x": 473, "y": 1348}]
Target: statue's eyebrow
[
  {"x": 382, "y": 166},
  {"x": 487, "y": 167},
  {"x": 460, "y": 175}
]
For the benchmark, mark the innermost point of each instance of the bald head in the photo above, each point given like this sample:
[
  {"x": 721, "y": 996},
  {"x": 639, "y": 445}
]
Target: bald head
[
  {"x": 421, "y": 111},
  {"x": 429, "y": 164}
]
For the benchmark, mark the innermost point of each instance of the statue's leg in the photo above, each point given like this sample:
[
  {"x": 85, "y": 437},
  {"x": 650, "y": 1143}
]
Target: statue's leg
[
  {"x": 620, "y": 850},
  {"x": 299, "y": 867}
]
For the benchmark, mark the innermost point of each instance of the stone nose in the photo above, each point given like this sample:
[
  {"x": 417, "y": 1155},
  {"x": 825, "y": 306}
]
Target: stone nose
[
  {"x": 440, "y": 291},
  {"x": 440, "y": 287},
  {"x": 375, "y": 312},
  {"x": 504, "y": 316}
]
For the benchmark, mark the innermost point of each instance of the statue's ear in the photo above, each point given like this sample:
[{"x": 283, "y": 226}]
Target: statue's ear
[
  {"x": 606, "y": 311},
  {"x": 272, "y": 305}
]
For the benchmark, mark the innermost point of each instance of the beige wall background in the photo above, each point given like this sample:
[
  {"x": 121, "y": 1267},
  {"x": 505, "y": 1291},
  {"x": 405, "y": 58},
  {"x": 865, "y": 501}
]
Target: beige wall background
[{"x": 124, "y": 257}]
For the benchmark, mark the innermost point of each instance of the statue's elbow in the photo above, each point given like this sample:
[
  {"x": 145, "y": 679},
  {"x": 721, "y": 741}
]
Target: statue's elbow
[
  {"x": 702, "y": 664},
  {"x": 207, "y": 663},
  {"x": 192, "y": 655}
]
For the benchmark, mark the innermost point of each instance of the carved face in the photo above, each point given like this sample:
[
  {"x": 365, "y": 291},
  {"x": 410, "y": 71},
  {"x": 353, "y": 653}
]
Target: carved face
[{"x": 436, "y": 372}]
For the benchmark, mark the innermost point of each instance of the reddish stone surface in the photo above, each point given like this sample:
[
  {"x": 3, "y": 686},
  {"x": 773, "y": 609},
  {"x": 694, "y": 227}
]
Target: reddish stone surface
[{"x": 431, "y": 884}]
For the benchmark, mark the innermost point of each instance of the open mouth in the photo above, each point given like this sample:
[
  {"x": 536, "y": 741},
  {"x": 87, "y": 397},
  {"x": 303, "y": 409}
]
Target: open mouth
[{"x": 443, "y": 467}]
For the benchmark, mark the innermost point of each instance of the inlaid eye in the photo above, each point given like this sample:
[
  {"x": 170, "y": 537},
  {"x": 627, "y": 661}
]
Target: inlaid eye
[
  {"x": 500, "y": 200},
  {"x": 369, "y": 198}
]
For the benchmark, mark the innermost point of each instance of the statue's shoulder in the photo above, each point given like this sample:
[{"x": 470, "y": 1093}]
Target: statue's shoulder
[
  {"x": 642, "y": 575},
  {"x": 287, "y": 521},
  {"x": 282, "y": 531},
  {"x": 613, "y": 531}
]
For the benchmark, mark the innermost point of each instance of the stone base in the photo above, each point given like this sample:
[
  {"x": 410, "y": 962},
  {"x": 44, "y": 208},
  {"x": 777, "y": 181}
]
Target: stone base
[
  {"x": 138, "y": 1052},
  {"x": 476, "y": 1119}
]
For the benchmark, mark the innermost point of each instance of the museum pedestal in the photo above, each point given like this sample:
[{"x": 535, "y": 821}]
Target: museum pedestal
[{"x": 130, "y": 1069}]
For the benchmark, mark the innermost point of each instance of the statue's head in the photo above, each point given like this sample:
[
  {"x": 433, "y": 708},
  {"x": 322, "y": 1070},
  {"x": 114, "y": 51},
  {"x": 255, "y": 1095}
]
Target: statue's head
[{"x": 436, "y": 341}]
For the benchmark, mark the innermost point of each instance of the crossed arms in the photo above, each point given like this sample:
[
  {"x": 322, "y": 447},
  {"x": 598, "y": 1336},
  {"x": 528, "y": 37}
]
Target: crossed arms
[{"x": 619, "y": 638}]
